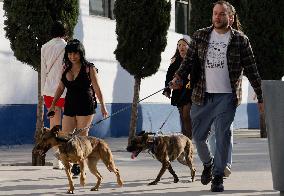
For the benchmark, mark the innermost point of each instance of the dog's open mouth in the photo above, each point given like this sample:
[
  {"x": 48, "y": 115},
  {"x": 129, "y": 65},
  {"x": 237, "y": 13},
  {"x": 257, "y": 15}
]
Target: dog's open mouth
[
  {"x": 135, "y": 154},
  {"x": 134, "y": 151}
]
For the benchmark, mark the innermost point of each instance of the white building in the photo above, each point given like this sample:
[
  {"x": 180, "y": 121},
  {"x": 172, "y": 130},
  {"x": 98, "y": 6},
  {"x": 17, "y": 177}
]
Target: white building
[{"x": 96, "y": 29}]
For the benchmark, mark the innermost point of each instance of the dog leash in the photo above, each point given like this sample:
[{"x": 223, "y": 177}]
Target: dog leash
[
  {"x": 78, "y": 131},
  {"x": 127, "y": 107},
  {"x": 182, "y": 95}
]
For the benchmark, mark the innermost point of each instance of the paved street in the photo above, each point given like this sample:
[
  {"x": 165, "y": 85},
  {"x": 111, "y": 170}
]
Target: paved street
[{"x": 251, "y": 173}]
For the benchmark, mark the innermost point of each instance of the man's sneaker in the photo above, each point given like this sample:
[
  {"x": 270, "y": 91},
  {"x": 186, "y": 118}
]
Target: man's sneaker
[
  {"x": 75, "y": 170},
  {"x": 206, "y": 176},
  {"x": 57, "y": 164},
  {"x": 227, "y": 172},
  {"x": 217, "y": 184}
]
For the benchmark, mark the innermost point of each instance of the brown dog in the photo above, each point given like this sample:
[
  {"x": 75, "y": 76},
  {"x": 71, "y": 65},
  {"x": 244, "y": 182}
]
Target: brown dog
[
  {"x": 165, "y": 148},
  {"x": 77, "y": 149}
]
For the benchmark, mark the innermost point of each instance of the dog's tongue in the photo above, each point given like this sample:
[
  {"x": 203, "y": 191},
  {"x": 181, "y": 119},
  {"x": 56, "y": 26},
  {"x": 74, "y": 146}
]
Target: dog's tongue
[{"x": 133, "y": 155}]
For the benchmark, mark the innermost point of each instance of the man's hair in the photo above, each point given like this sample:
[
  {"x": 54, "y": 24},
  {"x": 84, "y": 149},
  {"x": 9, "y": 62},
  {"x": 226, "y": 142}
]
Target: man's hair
[
  {"x": 58, "y": 29},
  {"x": 232, "y": 12}
]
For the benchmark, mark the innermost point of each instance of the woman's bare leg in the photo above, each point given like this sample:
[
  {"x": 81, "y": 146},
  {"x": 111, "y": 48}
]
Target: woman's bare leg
[
  {"x": 56, "y": 119},
  {"x": 68, "y": 124},
  {"x": 84, "y": 122}
]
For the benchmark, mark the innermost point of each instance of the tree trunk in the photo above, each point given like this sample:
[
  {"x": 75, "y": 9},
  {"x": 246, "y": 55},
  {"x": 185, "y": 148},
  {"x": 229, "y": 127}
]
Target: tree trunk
[
  {"x": 37, "y": 159},
  {"x": 134, "y": 109}
]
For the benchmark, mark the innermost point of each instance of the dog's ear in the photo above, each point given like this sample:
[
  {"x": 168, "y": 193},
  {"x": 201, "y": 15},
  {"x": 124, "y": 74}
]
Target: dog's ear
[
  {"x": 56, "y": 129},
  {"x": 141, "y": 133},
  {"x": 44, "y": 129},
  {"x": 145, "y": 136}
]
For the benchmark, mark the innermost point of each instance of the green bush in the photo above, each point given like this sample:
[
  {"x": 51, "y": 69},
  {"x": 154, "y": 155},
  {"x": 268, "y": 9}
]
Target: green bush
[
  {"x": 141, "y": 28},
  {"x": 28, "y": 24},
  {"x": 262, "y": 22}
]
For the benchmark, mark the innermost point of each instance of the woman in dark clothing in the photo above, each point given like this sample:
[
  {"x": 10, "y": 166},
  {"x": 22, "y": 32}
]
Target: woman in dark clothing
[
  {"x": 80, "y": 78},
  {"x": 180, "y": 97}
]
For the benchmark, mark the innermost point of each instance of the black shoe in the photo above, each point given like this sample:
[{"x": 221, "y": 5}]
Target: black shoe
[
  {"x": 206, "y": 176},
  {"x": 217, "y": 184},
  {"x": 75, "y": 170}
]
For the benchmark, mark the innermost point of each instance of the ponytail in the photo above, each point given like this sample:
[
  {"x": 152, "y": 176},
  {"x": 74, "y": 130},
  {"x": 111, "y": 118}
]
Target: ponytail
[{"x": 237, "y": 24}]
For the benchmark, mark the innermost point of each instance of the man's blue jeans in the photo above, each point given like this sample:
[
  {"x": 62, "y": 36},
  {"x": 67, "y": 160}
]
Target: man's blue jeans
[
  {"x": 212, "y": 144},
  {"x": 219, "y": 108}
]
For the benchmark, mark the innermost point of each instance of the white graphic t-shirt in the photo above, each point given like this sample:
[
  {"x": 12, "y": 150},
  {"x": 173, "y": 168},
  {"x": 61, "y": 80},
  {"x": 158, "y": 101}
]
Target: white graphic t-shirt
[{"x": 216, "y": 67}]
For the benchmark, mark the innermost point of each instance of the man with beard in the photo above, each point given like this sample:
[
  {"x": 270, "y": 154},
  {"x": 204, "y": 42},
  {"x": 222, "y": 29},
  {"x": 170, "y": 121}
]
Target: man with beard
[{"x": 216, "y": 59}]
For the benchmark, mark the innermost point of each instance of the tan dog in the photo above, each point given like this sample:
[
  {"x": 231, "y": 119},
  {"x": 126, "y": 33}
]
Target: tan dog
[
  {"x": 165, "y": 148},
  {"x": 77, "y": 149}
]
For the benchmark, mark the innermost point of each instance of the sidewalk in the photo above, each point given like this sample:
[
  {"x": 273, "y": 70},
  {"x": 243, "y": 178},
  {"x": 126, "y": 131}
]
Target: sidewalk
[{"x": 251, "y": 173}]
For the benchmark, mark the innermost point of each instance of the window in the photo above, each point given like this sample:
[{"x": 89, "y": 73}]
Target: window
[
  {"x": 181, "y": 16},
  {"x": 101, "y": 8}
]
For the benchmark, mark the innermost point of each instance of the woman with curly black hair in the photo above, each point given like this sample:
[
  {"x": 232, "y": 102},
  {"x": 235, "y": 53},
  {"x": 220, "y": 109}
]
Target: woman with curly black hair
[{"x": 81, "y": 80}]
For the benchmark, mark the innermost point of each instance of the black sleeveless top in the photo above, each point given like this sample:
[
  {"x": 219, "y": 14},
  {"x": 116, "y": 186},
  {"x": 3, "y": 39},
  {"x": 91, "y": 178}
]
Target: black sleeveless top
[{"x": 79, "y": 100}]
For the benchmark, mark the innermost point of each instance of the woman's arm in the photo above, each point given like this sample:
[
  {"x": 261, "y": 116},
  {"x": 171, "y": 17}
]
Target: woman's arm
[
  {"x": 169, "y": 76},
  {"x": 97, "y": 89},
  {"x": 57, "y": 95}
]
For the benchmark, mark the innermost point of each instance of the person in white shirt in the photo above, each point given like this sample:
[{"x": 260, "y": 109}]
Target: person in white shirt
[
  {"x": 235, "y": 23},
  {"x": 216, "y": 60},
  {"x": 52, "y": 54}
]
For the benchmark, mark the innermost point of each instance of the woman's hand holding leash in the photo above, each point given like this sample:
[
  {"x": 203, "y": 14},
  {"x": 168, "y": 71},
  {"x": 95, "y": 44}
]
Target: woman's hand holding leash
[
  {"x": 51, "y": 112},
  {"x": 167, "y": 94},
  {"x": 104, "y": 112}
]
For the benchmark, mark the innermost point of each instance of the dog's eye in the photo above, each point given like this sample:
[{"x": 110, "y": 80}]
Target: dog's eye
[{"x": 133, "y": 142}]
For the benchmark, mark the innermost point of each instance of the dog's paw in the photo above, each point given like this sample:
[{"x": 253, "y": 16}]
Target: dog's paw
[
  {"x": 153, "y": 183},
  {"x": 70, "y": 191},
  {"x": 120, "y": 183},
  {"x": 94, "y": 189},
  {"x": 176, "y": 180}
]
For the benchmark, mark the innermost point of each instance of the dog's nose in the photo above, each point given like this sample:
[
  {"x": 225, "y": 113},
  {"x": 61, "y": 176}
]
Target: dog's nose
[{"x": 128, "y": 148}]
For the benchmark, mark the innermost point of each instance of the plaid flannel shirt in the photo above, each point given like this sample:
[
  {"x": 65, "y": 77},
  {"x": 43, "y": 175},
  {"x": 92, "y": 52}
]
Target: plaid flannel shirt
[{"x": 240, "y": 59}]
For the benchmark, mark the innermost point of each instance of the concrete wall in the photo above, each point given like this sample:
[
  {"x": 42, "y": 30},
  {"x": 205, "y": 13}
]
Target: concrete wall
[{"x": 18, "y": 86}]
